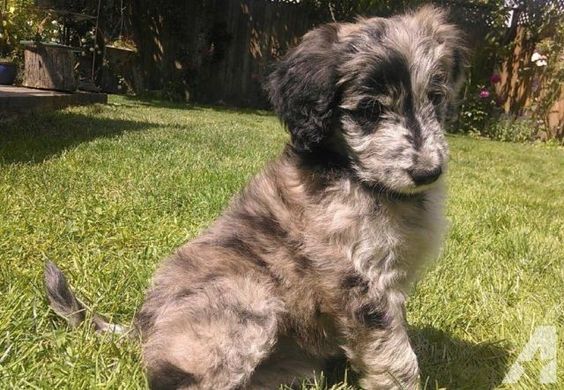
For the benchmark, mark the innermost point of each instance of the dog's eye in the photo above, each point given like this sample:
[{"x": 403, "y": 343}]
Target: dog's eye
[
  {"x": 437, "y": 98},
  {"x": 366, "y": 114},
  {"x": 368, "y": 110}
]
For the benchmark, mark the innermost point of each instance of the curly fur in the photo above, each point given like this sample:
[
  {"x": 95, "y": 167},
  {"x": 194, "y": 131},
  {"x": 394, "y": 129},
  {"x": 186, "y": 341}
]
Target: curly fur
[{"x": 315, "y": 257}]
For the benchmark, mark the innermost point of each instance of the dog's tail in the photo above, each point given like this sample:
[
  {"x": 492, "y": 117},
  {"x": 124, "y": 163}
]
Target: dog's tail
[{"x": 63, "y": 302}]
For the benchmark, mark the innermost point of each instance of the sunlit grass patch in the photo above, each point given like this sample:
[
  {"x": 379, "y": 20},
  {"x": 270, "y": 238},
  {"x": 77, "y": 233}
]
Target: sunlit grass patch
[{"x": 107, "y": 191}]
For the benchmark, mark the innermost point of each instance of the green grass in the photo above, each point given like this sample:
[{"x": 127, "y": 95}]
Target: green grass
[{"x": 108, "y": 191}]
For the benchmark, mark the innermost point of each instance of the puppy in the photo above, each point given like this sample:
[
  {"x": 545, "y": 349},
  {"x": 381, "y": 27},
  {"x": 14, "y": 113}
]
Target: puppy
[{"x": 314, "y": 258}]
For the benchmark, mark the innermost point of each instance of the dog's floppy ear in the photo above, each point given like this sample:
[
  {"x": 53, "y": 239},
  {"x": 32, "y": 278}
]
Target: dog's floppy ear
[
  {"x": 302, "y": 87},
  {"x": 453, "y": 49},
  {"x": 436, "y": 20},
  {"x": 459, "y": 64}
]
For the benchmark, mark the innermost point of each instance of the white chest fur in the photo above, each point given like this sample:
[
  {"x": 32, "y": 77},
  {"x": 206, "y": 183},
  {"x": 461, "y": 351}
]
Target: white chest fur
[{"x": 388, "y": 241}]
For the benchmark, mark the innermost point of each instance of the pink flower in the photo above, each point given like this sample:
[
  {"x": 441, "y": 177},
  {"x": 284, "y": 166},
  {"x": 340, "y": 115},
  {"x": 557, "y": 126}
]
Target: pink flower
[
  {"x": 484, "y": 93},
  {"x": 495, "y": 78}
]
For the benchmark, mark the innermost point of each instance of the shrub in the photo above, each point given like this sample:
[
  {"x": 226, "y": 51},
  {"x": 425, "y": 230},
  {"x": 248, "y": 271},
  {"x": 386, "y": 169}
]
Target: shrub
[
  {"x": 478, "y": 108},
  {"x": 21, "y": 20},
  {"x": 512, "y": 129}
]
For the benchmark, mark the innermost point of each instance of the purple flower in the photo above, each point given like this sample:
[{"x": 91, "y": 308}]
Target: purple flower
[
  {"x": 484, "y": 93},
  {"x": 495, "y": 78}
]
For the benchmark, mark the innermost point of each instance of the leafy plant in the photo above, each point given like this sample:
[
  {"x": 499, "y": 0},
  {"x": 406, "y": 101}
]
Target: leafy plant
[
  {"x": 21, "y": 20},
  {"x": 477, "y": 111},
  {"x": 512, "y": 129}
]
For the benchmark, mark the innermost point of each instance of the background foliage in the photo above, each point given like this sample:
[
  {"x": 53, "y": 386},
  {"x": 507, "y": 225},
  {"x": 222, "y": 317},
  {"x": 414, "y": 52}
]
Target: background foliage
[
  {"x": 164, "y": 39},
  {"x": 21, "y": 20}
]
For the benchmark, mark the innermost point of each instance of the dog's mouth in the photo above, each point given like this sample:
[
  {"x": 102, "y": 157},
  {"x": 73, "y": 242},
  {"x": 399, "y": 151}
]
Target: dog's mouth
[
  {"x": 408, "y": 192},
  {"x": 416, "y": 182}
]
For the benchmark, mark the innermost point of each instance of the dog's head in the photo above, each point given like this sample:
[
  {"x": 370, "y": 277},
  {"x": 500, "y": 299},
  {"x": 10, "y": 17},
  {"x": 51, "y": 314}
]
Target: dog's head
[{"x": 376, "y": 92}]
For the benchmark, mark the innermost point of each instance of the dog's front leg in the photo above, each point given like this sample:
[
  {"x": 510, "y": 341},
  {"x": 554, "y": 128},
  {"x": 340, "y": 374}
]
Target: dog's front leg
[{"x": 378, "y": 346}]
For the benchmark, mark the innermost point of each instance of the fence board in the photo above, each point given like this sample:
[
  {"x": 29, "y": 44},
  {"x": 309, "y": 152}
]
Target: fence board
[{"x": 259, "y": 32}]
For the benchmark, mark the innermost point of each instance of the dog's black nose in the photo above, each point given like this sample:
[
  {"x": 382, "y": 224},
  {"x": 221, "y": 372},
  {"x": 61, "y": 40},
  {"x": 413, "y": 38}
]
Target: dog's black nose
[{"x": 425, "y": 176}]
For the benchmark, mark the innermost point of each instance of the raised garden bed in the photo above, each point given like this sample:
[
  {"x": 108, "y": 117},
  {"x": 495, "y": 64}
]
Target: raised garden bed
[{"x": 49, "y": 66}]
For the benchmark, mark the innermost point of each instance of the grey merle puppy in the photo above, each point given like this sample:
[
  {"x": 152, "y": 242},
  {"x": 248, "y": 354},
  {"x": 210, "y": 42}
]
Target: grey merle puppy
[{"x": 314, "y": 258}]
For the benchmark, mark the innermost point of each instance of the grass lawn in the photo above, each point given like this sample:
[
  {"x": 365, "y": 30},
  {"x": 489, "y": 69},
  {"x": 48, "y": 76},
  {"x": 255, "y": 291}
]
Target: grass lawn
[{"x": 108, "y": 191}]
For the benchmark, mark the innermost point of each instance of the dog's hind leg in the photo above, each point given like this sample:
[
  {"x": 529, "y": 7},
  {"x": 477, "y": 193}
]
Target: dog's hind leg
[{"x": 209, "y": 336}]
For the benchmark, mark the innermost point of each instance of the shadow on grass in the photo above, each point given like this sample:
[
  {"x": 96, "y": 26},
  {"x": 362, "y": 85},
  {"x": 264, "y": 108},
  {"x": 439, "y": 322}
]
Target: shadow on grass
[
  {"x": 446, "y": 362},
  {"x": 34, "y": 139},
  {"x": 161, "y": 103}
]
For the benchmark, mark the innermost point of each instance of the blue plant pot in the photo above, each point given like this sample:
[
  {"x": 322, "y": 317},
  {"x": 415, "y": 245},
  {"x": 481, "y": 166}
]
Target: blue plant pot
[{"x": 8, "y": 72}]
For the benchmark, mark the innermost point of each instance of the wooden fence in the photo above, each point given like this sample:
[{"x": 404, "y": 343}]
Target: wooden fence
[
  {"x": 257, "y": 33},
  {"x": 523, "y": 84},
  {"x": 215, "y": 50}
]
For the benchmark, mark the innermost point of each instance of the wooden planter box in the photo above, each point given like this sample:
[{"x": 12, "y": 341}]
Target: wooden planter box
[{"x": 49, "y": 66}]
